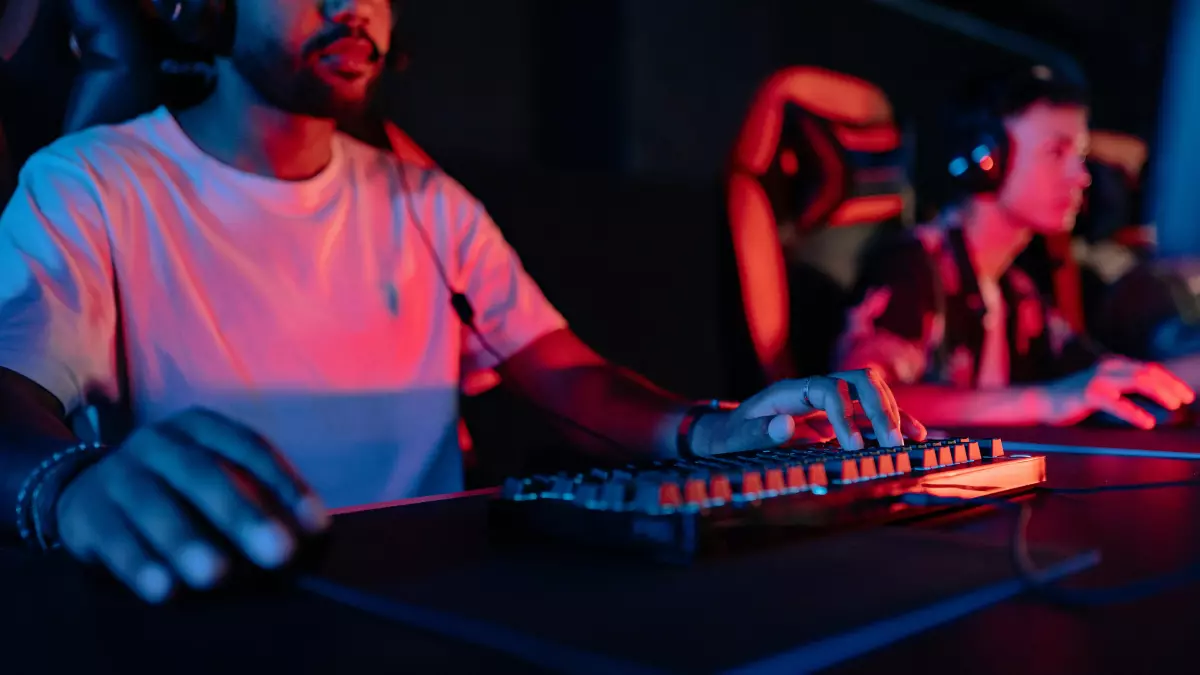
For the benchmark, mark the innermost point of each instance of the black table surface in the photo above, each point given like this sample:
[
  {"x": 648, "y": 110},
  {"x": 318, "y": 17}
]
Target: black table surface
[{"x": 59, "y": 616}]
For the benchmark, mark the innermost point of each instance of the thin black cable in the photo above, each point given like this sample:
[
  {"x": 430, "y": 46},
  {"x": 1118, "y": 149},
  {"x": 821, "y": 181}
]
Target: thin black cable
[
  {"x": 466, "y": 314},
  {"x": 1039, "y": 581}
]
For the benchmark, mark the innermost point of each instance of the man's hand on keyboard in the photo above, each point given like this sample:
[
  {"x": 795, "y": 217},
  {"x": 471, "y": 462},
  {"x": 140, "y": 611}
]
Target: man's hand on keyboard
[
  {"x": 159, "y": 509},
  {"x": 785, "y": 412}
]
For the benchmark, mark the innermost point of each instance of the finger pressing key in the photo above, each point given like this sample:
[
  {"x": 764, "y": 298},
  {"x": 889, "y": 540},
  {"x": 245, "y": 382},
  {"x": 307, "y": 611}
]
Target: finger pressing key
[{"x": 876, "y": 402}]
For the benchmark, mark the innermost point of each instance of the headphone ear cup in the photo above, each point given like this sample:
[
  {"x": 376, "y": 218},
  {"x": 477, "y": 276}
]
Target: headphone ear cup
[{"x": 979, "y": 156}]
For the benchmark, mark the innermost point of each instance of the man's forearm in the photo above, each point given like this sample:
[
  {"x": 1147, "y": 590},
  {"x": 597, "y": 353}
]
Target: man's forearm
[
  {"x": 618, "y": 414},
  {"x": 946, "y": 406},
  {"x": 32, "y": 428},
  {"x": 603, "y": 408}
]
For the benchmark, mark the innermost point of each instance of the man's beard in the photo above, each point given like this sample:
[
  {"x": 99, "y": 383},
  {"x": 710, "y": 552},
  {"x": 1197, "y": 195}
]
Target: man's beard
[{"x": 295, "y": 88}]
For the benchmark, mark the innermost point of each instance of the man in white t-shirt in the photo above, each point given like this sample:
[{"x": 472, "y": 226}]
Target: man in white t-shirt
[{"x": 287, "y": 314}]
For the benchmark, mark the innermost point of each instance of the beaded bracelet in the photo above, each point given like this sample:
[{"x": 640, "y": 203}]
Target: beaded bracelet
[{"x": 57, "y": 469}]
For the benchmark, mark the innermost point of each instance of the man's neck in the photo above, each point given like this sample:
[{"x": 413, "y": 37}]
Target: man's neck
[
  {"x": 994, "y": 238},
  {"x": 237, "y": 127}
]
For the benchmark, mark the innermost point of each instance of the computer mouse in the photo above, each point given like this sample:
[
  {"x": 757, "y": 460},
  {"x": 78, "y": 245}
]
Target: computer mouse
[{"x": 1162, "y": 416}]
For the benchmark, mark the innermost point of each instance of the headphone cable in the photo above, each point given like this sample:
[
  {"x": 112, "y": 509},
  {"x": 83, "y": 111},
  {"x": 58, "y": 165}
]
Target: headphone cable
[{"x": 466, "y": 314}]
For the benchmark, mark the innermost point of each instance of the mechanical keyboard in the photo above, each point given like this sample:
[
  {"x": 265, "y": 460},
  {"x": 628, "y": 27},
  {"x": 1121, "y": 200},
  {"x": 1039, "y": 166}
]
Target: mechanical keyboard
[{"x": 675, "y": 510}]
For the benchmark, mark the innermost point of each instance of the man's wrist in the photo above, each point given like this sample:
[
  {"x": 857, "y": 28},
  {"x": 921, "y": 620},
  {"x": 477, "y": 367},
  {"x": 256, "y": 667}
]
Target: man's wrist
[
  {"x": 37, "y": 501},
  {"x": 1051, "y": 404}
]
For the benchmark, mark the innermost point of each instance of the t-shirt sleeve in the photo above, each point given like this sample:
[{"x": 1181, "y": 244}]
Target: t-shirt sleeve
[
  {"x": 57, "y": 306},
  {"x": 894, "y": 321},
  {"x": 510, "y": 310}
]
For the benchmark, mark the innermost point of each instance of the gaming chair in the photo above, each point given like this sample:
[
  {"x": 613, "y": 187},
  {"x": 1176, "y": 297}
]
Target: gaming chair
[{"x": 818, "y": 167}]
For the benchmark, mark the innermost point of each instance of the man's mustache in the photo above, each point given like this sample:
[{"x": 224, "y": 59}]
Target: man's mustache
[{"x": 338, "y": 32}]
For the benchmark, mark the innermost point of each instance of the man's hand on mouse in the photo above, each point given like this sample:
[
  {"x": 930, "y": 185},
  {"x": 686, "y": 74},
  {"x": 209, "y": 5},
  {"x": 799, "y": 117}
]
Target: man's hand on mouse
[
  {"x": 1104, "y": 387},
  {"x": 180, "y": 498},
  {"x": 842, "y": 405}
]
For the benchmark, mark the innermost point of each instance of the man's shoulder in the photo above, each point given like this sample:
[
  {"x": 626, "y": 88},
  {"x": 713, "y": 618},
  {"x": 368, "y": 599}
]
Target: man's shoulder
[{"x": 100, "y": 147}]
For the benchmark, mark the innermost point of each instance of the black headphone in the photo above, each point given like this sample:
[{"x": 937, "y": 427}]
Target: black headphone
[
  {"x": 979, "y": 144},
  {"x": 210, "y": 24}
]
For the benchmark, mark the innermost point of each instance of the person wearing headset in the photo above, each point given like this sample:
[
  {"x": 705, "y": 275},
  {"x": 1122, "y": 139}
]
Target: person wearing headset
[
  {"x": 962, "y": 335},
  {"x": 288, "y": 313}
]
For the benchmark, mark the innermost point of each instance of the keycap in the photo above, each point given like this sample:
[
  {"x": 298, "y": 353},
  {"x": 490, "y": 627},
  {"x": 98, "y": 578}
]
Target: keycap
[
  {"x": 866, "y": 468},
  {"x": 695, "y": 492},
  {"x": 903, "y": 463},
  {"x": 747, "y": 485},
  {"x": 993, "y": 449},
  {"x": 773, "y": 482},
  {"x": 795, "y": 478},
  {"x": 841, "y": 470},
  {"x": 614, "y": 494},
  {"x": 719, "y": 490},
  {"x": 587, "y": 494},
  {"x": 886, "y": 466},
  {"x": 561, "y": 487},
  {"x": 945, "y": 455},
  {"x": 924, "y": 459},
  {"x": 973, "y": 453},
  {"x": 960, "y": 453},
  {"x": 518, "y": 489},
  {"x": 647, "y": 493},
  {"x": 816, "y": 475}
]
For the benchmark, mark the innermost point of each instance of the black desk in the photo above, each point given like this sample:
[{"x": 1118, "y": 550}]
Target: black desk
[{"x": 62, "y": 618}]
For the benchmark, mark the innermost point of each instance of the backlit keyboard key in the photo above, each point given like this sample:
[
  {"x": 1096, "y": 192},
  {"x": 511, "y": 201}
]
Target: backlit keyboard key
[
  {"x": 719, "y": 490},
  {"x": 945, "y": 456},
  {"x": 773, "y": 483},
  {"x": 695, "y": 492},
  {"x": 842, "y": 470},
  {"x": 795, "y": 478},
  {"x": 749, "y": 486},
  {"x": 866, "y": 468},
  {"x": 903, "y": 463},
  {"x": 960, "y": 453},
  {"x": 973, "y": 453},
  {"x": 923, "y": 460},
  {"x": 993, "y": 449},
  {"x": 615, "y": 494},
  {"x": 816, "y": 475},
  {"x": 669, "y": 496},
  {"x": 886, "y": 466}
]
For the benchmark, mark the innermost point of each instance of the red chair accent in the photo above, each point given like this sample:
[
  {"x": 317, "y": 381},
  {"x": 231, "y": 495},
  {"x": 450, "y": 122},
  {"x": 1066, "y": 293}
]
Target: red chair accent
[{"x": 818, "y": 149}]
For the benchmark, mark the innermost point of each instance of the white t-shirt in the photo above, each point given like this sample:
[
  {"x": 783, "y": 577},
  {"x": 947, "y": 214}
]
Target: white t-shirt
[{"x": 310, "y": 310}]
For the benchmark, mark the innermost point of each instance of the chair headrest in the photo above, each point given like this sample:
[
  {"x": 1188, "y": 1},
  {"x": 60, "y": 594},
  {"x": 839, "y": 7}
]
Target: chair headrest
[{"x": 826, "y": 149}]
